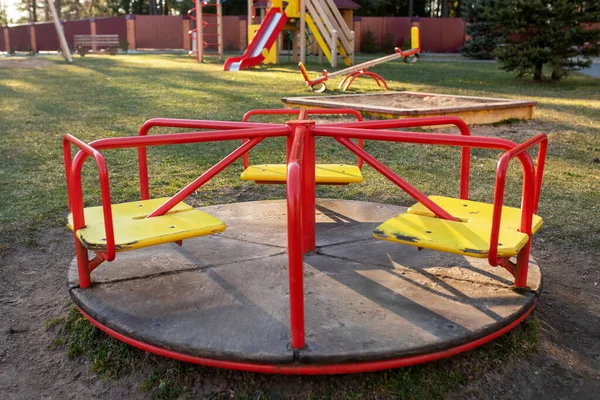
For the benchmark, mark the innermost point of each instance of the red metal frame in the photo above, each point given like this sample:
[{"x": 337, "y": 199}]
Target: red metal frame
[
  {"x": 319, "y": 369},
  {"x": 309, "y": 111},
  {"x": 532, "y": 178},
  {"x": 179, "y": 123},
  {"x": 73, "y": 172},
  {"x": 295, "y": 237},
  {"x": 301, "y": 196},
  {"x": 347, "y": 81},
  {"x": 465, "y": 161},
  {"x": 192, "y": 14}
]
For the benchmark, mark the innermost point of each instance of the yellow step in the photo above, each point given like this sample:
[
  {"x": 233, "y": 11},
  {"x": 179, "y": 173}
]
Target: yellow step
[
  {"x": 470, "y": 236},
  {"x": 134, "y": 231},
  {"x": 337, "y": 174}
]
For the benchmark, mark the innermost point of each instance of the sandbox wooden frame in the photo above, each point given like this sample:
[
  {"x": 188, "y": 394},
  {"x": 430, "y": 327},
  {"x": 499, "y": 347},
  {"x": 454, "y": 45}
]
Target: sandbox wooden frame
[{"x": 491, "y": 109}]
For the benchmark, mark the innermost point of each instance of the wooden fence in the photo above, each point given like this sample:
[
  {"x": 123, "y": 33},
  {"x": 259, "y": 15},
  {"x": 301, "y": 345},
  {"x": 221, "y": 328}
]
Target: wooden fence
[{"x": 171, "y": 32}]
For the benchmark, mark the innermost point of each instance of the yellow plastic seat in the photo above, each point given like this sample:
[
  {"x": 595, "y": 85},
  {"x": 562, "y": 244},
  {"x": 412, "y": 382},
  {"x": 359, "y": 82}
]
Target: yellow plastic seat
[
  {"x": 134, "y": 231},
  {"x": 335, "y": 174},
  {"x": 474, "y": 211},
  {"x": 470, "y": 236}
]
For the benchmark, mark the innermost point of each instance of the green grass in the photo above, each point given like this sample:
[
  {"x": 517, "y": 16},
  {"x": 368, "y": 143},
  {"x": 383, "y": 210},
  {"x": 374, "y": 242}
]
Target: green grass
[
  {"x": 112, "y": 96},
  {"x": 170, "y": 379}
]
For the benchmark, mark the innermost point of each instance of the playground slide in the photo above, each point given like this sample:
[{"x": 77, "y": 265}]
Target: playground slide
[{"x": 259, "y": 47}]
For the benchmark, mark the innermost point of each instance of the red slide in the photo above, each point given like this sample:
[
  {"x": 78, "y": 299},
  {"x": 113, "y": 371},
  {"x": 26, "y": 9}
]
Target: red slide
[{"x": 265, "y": 37}]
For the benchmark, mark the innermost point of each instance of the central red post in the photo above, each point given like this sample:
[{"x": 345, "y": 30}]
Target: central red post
[{"x": 308, "y": 192}]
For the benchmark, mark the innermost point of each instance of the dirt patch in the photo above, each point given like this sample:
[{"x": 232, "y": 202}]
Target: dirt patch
[{"x": 23, "y": 63}]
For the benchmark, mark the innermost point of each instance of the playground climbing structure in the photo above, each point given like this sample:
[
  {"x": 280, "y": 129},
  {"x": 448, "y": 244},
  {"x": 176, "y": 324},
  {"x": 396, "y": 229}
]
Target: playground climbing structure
[
  {"x": 321, "y": 17},
  {"x": 208, "y": 33}
]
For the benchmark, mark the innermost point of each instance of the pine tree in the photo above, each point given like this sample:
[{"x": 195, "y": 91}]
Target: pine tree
[
  {"x": 482, "y": 29},
  {"x": 546, "y": 32}
]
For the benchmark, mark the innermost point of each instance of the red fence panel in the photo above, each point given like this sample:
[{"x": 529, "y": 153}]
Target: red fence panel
[
  {"x": 46, "y": 38},
  {"x": 437, "y": 34},
  {"x": 112, "y": 26},
  {"x": 19, "y": 38},
  {"x": 72, "y": 28},
  {"x": 399, "y": 27},
  {"x": 158, "y": 32},
  {"x": 442, "y": 34},
  {"x": 374, "y": 25},
  {"x": 231, "y": 33}
]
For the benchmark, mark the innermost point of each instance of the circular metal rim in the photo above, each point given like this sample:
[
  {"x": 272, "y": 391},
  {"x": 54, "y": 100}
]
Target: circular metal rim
[{"x": 314, "y": 369}]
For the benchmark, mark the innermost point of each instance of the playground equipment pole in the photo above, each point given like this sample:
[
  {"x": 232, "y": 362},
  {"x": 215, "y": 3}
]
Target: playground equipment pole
[
  {"x": 220, "y": 29},
  {"x": 302, "y": 31},
  {"x": 60, "y": 33},
  {"x": 199, "y": 35}
]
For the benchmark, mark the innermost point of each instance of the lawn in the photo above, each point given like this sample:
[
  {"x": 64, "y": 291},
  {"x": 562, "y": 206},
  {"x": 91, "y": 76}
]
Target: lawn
[{"x": 102, "y": 96}]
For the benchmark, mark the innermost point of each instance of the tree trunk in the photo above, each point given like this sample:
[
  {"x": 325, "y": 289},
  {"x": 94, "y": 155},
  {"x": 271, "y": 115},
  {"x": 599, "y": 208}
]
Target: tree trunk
[
  {"x": 445, "y": 9},
  {"x": 33, "y": 10},
  {"x": 537, "y": 72},
  {"x": 410, "y": 7},
  {"x": 58, "y": 6}
]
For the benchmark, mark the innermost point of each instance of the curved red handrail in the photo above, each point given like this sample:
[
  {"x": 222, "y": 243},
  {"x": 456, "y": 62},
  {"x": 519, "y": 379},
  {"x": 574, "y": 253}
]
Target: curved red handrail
[
  {"x": 178, "y": 123},
  {"x": 532, "y": 183},
  {"x": 307, "y": 111},
  {"x": 74, "y": 184}
]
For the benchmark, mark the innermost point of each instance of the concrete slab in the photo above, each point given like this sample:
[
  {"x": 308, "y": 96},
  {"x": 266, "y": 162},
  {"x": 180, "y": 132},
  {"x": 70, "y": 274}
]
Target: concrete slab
[{"x": 226, "y": 297}]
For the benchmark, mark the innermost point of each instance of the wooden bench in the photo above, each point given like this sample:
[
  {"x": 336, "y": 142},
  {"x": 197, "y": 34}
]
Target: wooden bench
[{"x": 96, "y": 41}]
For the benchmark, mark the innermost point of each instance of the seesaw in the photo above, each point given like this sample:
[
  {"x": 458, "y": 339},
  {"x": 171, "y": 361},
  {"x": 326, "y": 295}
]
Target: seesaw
[
  {"x": 356, "y": 71},
  {"x": 301, "y": 285}
]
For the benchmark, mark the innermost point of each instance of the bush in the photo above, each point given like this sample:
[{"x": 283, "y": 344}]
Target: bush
[
  {"x": 112, "y": 50},
  {"x": 125, "y": 46},
  {"x": 389, "y": 43},
  {"x": 82, "y": 50},
  {"x": 368, "y": 43},
  {"x": 482, "y": 28}
]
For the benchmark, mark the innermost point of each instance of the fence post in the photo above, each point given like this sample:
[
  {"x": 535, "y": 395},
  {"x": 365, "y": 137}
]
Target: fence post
[
  {"x": 6, "y": 35},
  {"x": 130, "y": 23},
  {"x": 416, "y": 22},
  {"x": 93, "y": 33},
  {"x": 357, "y": 30},
  {"x": 32, "y": 41},
  {"x": 221, "y": 39},
  {"x": 186, "y": 32},
  {"x": 302, "y": 31},
  {"x": 243, "y": 34}
]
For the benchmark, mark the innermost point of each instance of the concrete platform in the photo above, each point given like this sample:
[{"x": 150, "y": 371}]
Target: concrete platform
[{"x": 225, "y": 297}]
